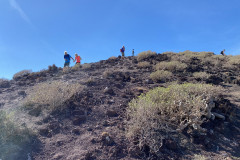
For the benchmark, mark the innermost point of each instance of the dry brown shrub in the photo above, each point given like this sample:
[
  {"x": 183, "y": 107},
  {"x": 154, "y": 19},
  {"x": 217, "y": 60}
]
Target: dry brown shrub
[
  {"x": 201, "y": 75},
  {"x": 21, "y": 73},
  {"x": 172, "y": 66},
  {"x": 234, "y": 60},
  {"x": 76, "y": 67},
  {"x": 161, "y": 76},
  {"x": 143, "y": 65},
  {"x": 113, "y": 57},
  {"x": 145, "y": 55},
  {"x": 51, "y": 95},
  {"x": 14, "y": 139},
  {"x": 162, "y": 111},
  {"x": 86, "y": 66}
]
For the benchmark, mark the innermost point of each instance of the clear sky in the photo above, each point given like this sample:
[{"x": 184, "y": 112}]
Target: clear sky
[{"x": 35, "y": 33}]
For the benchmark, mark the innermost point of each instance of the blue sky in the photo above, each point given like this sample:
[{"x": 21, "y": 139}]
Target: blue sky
[{"x": 35, "y": 33}]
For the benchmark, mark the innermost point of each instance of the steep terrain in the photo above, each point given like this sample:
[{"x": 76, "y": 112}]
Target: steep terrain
[{"x": 92, "y": 123}]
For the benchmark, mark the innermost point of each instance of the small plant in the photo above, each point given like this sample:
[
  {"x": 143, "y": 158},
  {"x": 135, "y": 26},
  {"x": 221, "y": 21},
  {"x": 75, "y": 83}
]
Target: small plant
[
  {"x": 14, "y": 140},
  {"x": 4, "y": 83},
  {"x": 155, "y": 115},
  {"x": 21, "y": 73},
  {"x": 172, "y": 66},
  {"x": 113, "y": 57},
  {"x": 52, "y": 68},
  {"x": 145, "y": 55},
  {"x": 86, "y": 66},
  {"x": 201, "y": 76},
  {"x": 76, "y": 67},
  {"x": 50, "y": 96},
  {"x": 161, "y": 76},
  {"x": 143, "y": 65}
]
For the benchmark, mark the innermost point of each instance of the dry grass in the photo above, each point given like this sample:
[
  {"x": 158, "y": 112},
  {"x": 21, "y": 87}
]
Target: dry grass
[
  {"x": 86, "y": 66},
  {"x": 21, "y": 73},
  {"x": 172, "y": 66},
  {"x": 76, "y": 67},
  {"x": 162, "y": 111},
  {"x": 50, "y": 96},
  {"x": 113, "y": 57},
  {"x": 161, "y": 76},
  {"x": 199, "y": 157},
  {"x": 145, "y": 55},
  {"x": 201, "y": 76},
  {"x": 14, "y": 140},
  {"x": 144, "y": 65}
]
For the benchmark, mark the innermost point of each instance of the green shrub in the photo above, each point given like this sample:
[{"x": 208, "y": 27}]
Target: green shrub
[
  {"x": 145, "y": 55},
  {"x": 155, "y": 115},
  {"x": 21, "y": 73},
  {"x": 50, "y": 95},
  {"x": 172, "y": 66},
  {"x": 143, "y": 65},
  {"x": 14, "y": 140},
  {"x": 201, "y": 75},
  {"x": 161, "y": 76}
]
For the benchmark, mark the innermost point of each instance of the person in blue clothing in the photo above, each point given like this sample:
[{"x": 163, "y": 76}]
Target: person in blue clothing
[
  {"x": 122, "y": 50},
  {"x": 67, "y": 59}
]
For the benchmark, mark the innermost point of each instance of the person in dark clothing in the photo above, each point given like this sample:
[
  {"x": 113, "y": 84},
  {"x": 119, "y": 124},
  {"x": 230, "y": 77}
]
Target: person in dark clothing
[
  {"x": 223, "y": 52},
  {"x": 133, "y": 52},
  {"x": 122, "y": 50},
  {"x": 67, "y": 59}
]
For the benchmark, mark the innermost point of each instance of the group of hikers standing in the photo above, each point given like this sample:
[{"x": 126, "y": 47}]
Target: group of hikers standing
[
  {"x": 122, "y": 50},
  {"x": 78, "y": 59},
  {"x": 68, "y": 58}
]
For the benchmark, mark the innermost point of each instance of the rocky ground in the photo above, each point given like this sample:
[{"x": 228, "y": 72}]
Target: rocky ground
[{"x": 93, "y": 125}]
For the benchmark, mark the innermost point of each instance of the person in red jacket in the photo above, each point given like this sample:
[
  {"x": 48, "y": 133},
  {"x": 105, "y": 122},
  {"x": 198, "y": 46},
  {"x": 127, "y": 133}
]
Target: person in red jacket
[{"x": 77, "y": 59}]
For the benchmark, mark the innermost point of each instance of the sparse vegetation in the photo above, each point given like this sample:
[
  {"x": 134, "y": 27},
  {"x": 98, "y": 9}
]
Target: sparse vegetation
[
  {"x": 172, "y": 66},
  {"x": 113, "y": 57},
  {"x": 52, "y": 68},
  {"x": 162, "y": 111},
  {"x": 14, "y": 140},
  {"x": 86, "y": 66},
  {"x": 21, "y": 73},
  {"x": 50, "y": 95},
  {"x": 161, "y": 76},
  {"x": 76, "y": 67},
  {"x": 201, "y": 76},
  {"x": 143, "y": 65},
  {"x": 145, "y": 55}
]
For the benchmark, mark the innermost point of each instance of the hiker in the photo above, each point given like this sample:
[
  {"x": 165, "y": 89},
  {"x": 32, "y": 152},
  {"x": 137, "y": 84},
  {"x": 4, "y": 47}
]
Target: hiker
[
  {"x": 67, "y": 59},
  {"x": 122, "y": 50},
  {"x": 77, "y": 59},
  {"x": 133, "y": 52},
  {"x": 222, "y": 52}
]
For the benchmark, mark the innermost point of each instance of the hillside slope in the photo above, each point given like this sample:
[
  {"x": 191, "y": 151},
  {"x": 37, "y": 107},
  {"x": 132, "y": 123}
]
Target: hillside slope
[{"x": 92, "y": 123}]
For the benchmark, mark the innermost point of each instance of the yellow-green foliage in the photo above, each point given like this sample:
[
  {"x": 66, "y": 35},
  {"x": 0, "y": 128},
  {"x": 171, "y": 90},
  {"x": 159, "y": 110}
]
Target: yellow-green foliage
[
  {"x": 51, "y": 94},
  {"x": 201, "y": 75},
  {"x": 14, "y": 140},
  {"x": 145, "y": 55},
  {"x": 161, "y": 75},
  {"x": 143, "y": 65},
  {"x": 163, "y": 110},
  {"x": 171, "y": 66}
]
